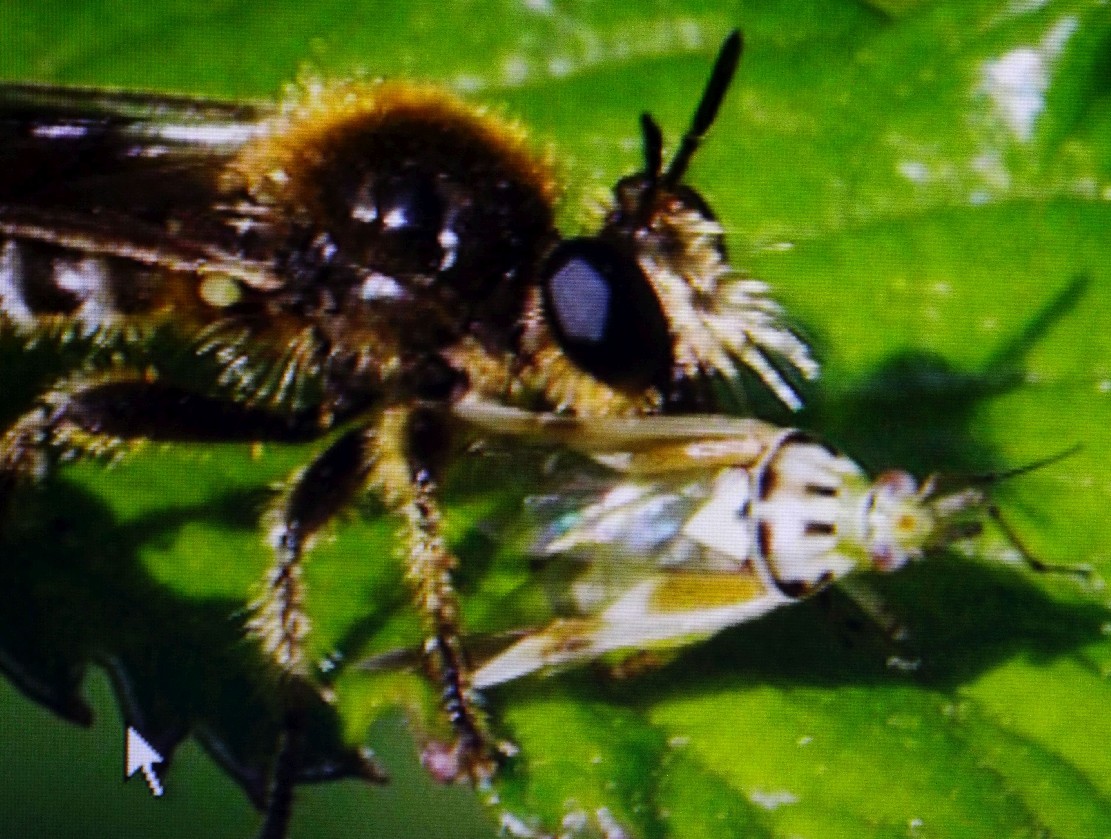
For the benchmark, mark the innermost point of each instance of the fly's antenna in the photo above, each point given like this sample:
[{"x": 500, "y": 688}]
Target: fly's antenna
[
  {"x": 725, "y": 67},
  {"x": 653, "y": 149},
  {"x": 722, "y": 76}
]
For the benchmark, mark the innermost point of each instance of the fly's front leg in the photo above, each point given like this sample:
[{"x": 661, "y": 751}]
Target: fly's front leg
[
  {"x": 314, "y": 496},
  {"x": 102, "y": 417},
  {"x": 398, "y": 458},
  {"x": 411, "y": 445}
]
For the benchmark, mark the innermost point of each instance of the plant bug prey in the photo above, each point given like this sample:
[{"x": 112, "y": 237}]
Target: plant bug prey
[{"x": 706, "y": 522}]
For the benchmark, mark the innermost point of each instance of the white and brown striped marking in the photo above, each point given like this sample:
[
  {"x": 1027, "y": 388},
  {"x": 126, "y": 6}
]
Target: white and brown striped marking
[{"x": 40, "y": 282}]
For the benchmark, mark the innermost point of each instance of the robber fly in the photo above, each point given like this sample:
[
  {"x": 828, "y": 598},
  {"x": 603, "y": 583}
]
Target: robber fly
[
  {"x": 356, "y": 260},
  {"x": 700, "y": 523}
]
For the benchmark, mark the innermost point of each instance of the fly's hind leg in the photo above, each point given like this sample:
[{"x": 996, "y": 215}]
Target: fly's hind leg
[{"x": 102, "y": 416}]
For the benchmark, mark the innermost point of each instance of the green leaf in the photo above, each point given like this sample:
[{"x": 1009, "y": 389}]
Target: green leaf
[{"x": 926, "y": 187}]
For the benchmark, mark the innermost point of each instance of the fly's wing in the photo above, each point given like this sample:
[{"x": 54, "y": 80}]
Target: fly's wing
[
  {"x": 659, "y": 563},
  {"x": 103, "y": 195},
  {"x": 89, "y": 153}
]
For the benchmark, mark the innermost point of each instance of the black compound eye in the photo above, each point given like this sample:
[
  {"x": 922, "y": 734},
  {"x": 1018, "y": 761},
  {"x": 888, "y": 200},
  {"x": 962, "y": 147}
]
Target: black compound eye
[{"x": 605, "y": 314}]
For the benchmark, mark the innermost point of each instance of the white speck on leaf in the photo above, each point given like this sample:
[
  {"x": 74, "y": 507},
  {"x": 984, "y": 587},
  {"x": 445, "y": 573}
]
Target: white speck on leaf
[
  {"x": 772, "y": 800},
  {"x": 515, "y": 70},
  {"x": 609, "y": 825},
  {"x": 914, "y": 170},
  {"x": 1016, "y": 82},
  {"x": 560, "y": 67},
  {"x": 468, "y": 84}
]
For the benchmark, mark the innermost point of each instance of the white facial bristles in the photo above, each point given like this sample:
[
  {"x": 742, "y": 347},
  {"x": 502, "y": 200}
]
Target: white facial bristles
[{"x": 721, "y": 322}]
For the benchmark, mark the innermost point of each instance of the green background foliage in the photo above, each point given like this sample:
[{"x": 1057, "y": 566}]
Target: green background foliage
[{"x": 926, "y": 185}]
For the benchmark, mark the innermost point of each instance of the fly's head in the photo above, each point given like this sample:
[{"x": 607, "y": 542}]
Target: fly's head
[{"x": 650, "y": 301}]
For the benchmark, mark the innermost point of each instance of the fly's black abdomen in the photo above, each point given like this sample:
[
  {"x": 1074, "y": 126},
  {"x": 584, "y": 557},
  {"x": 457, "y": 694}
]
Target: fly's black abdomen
[
  {"x": 112, "y": 210},
  {"x": 43, "y": 281},
  {"x": 30, "y": 282}
]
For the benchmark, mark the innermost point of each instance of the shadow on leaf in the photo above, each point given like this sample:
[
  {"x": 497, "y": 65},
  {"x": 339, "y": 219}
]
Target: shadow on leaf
[{"x": 179, "y": 665}]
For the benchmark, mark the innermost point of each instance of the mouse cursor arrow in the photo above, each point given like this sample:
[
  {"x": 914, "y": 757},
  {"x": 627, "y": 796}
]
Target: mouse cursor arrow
[{"x": 141, "y": 756}]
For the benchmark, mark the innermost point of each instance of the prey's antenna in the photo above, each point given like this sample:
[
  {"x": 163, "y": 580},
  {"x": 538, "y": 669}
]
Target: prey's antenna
[
  {"x": 989, "y": 478},
  {"x": 980, "y": 498},
  {"x": 724, "y": 69},
  {"x": 946, "y": 484}
]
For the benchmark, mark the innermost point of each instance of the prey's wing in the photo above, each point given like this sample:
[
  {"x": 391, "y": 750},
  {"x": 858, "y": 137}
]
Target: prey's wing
[
  {"x": 646, "y": 445},
  {"x": 656, "y": 563}
]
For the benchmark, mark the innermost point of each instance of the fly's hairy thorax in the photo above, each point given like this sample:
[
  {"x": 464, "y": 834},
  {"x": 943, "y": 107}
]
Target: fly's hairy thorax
[{"x": 402, "y": 211}]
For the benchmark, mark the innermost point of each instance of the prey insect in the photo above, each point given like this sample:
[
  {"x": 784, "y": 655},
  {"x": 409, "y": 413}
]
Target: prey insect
[
  {"x": 346, "y": 266},
  {"x": 705, "y": 522}
]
